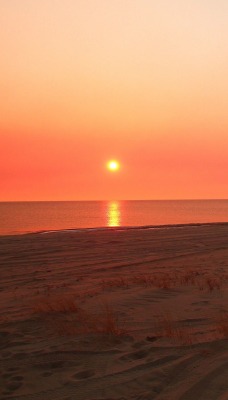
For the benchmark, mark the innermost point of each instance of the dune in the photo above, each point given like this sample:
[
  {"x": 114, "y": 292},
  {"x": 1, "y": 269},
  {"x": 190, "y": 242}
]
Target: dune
[{"x": 115, "y": 314}]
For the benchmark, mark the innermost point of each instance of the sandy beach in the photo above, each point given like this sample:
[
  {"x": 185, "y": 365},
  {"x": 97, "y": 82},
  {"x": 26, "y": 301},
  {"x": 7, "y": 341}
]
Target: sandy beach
[{"x": 115, "y": 314}]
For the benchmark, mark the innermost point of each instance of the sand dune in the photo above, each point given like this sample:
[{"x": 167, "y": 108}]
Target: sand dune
[{"x": 115, "y": 314}]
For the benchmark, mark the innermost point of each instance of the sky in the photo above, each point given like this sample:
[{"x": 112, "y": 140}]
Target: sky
[{"x": 144, "y": 82}]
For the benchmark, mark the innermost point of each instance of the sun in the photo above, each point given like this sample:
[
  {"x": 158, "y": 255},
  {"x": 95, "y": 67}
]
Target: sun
[{"x": 113, "y": 165}]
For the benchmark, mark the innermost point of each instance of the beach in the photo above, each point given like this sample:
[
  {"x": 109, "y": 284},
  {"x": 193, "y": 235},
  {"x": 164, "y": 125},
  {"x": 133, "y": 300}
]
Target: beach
[{"x": 115, "y": 314}]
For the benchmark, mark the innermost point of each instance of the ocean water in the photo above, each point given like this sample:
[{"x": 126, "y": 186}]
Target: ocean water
[{"x": 23, "y": 217}]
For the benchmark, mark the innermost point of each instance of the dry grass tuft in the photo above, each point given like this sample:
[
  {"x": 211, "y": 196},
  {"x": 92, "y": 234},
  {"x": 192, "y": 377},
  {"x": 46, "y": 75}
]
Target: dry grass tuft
[
  {"x": 189, "y": 277},
  {"x": 213, "y": 283},
  {"x": 166, "y": 326},
  {"x": 200, "y": 284},
  {"x": 221, "y": 324},
  {"x": 56, "y": 304},
  {"x": 108, "y": 322},
  {"x": 66, "y": 318},
  {"x": 161, "y": 280},
  {"x": 145, "y": 280},
  {"x": 120, "y": 282},
  {"x": 209, "y": 283},
  {"x": 164, "y": 282}
]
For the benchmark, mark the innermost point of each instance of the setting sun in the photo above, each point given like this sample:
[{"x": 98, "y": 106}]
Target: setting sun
[{"x": 113, "y": 165}]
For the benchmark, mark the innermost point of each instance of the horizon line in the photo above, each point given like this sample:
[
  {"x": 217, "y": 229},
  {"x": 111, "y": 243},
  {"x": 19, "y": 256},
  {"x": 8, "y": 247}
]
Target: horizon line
[{"x": 59, "y": 201}]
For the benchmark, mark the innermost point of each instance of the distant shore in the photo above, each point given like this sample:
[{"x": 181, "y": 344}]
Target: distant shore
[{"x": 121, "y": 313}]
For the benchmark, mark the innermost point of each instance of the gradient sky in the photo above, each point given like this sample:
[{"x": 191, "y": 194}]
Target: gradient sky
[{"x": 85, "y": 81}]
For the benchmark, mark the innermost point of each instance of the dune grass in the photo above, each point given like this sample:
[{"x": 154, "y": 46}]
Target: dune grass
[
  {"x": 56, "y": 304},
  {"x": 66, "y": 317},
  {"x": 202, "y": 280},
  {"x": 166, "y": 326}
]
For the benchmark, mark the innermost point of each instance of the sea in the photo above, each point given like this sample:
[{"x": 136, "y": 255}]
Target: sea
[{"x": 44, "y": 216}]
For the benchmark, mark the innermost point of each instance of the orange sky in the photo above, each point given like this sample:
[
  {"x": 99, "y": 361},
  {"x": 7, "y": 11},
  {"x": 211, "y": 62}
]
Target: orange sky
[{"x": 85, "y": 81}]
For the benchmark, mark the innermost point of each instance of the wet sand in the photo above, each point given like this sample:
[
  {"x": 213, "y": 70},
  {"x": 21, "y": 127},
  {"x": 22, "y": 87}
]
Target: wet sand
[{"x": 115, "y": 314}]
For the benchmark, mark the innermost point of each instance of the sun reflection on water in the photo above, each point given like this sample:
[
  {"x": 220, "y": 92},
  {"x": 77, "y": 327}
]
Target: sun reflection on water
[{"x": 113, "y": 213}]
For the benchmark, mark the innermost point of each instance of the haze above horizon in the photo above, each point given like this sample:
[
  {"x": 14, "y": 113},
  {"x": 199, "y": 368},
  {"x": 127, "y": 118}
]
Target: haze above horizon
[{"x": 142, "y": 82}]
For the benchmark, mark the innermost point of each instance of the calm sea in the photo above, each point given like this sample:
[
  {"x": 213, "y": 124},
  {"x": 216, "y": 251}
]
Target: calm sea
[{"x": 22, "y": 217}]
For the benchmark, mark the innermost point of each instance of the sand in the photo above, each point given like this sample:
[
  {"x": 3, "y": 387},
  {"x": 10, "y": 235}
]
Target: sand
[{"x": 115, "y": 314}]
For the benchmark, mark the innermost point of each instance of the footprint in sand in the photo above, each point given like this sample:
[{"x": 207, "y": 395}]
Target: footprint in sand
[
  {"x": 47, "y": 374},
  {"x": 12, "y": 386},
  {"x": 4, "y": 334},
  {"x": 19, "y": 356},
  {"x": 138, "y": 355},
  {"x": 138, "y": 345},
  {"x": 7, "y": 375},
  {"x": 6, "y": 354},
  {"x": 13, "y": 369},
  {"x": 17, "y": 378},
  {"x": 199, "y": 303},
  {"x": 13, "y": 379},
  {"x": 84, "y": 374},
  {"x": 49, "y": 365}
]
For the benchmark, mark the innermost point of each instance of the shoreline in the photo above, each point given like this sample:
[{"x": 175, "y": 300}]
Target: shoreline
[{"x": 117, "y": 228}]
